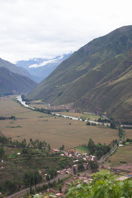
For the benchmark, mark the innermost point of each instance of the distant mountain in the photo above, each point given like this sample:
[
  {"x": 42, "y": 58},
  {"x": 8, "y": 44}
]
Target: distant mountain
[
  {"x": 12, "y": 83},
  {"x": 98, "y": 77},
  {"x": 13, "y": 68},
  {"x": 40, "y": 68}
]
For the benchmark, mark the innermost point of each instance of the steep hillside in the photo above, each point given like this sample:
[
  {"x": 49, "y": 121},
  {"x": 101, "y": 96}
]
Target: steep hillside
[
  {"x": 98, "y": 77},
  {"x": 11, "y": 83},
  {"x": 40, "y": 68},
  {"x": 13, "y": 68}
]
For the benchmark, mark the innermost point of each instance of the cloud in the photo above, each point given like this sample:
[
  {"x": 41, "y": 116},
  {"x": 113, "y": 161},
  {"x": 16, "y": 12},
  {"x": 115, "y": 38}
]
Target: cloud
[
  {"x": 54, "y": 60},
  {"x": 47, "y": 28}
]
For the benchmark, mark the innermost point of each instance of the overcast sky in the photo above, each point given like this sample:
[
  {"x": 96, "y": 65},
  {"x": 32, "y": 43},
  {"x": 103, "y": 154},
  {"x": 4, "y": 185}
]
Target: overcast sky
[{"x": 46, "y": 28}]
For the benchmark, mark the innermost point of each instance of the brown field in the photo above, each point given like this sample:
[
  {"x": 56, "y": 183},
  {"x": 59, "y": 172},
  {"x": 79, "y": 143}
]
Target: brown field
[
  {"x": 123, "y": 154},
  {"x": 54, "y": 130}
]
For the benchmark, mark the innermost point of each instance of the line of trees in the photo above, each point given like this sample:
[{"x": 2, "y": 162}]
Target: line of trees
[
  {"x": 7, "y": 118},
  {"x": 24, "y": 144}
]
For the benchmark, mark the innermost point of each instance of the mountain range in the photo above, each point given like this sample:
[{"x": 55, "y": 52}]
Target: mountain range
[
  {"x": 97, "y": 77},
  {"x": 41, "y": 68}
]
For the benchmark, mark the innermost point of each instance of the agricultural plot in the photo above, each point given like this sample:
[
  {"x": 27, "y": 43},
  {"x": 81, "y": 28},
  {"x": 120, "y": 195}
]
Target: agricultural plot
[
  {"x": 122, "y": 156},
  {"x": 54, "y": 130}
]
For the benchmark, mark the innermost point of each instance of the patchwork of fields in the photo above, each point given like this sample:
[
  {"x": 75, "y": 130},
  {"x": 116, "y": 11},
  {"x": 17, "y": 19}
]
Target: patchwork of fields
[{"x": 55, "y": 130}]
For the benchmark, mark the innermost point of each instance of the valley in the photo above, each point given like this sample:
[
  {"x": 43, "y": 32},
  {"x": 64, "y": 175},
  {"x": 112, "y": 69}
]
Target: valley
[
  {"x": 66, "y": 117},
  {"x": 95, "y": 78},
  {"x": 55, "y": 130},
  {"x": 29, "y": 129}
]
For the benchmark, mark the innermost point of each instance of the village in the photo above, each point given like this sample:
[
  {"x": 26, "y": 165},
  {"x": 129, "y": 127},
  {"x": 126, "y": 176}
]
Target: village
[
  {"x": 68, "y": 165},
  {"x": 84, "y": 174}
]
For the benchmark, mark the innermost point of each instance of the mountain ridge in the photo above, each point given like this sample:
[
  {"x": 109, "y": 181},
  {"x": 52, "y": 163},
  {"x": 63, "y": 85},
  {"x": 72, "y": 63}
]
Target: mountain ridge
[
  {"x": 12, "y": 83},
  {"x": 41, "y": 68},
  {"x": 97, "y": 64},
  {"x": 13, "y": 68}
]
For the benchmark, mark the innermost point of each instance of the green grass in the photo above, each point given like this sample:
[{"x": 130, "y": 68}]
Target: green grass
[{"x": 82, "y": 149}]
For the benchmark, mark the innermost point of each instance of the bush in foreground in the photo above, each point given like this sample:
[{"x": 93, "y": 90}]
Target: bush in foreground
[{"x": 104, "y": 185}]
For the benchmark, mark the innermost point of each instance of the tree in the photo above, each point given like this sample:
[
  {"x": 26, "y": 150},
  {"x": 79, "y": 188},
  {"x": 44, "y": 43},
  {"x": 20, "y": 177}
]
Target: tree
[
  {"x": 93, "y": 165},
  {"x": 62, "y": 148},
  {"x": 91, "y": 146},
  {"x": 80, "y": 167},
  {"x": 104, "y": 185},
  {"x": 121, "y": 134},
  {"x": 113, "y": 123},
  {"x": 98, "y": 149},
  {"x": 2, "y": 153},
  {"x": 13, "y": 117},
  {"x": 32, "y": 178},
  {"x": 52, "y": 172},
  {"x": 9, "y": 187}
]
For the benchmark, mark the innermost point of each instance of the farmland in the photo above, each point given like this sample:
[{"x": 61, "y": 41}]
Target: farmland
[
  {"x": 122, "y": 156},
  {"x": 54, "y": 130},
  {"x": 86, "y": 115}
]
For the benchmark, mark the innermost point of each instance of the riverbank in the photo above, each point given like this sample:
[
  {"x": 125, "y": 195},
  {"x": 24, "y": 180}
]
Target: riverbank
[{"x": 91, "y": 122}]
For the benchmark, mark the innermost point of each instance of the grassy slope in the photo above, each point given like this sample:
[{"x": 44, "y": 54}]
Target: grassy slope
[{"x": 88, "y": 77}]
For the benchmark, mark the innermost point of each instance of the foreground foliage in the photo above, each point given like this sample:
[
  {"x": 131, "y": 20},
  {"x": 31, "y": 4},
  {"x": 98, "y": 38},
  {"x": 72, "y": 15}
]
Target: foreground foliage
[{"x": 104, "y": 185}]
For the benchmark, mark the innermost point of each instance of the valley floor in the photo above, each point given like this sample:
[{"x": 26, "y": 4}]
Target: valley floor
[{"x": 55, "y": 130}]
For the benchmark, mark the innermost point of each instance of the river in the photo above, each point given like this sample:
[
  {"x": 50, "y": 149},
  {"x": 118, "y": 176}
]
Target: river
[{"x": 23, "y": 103}]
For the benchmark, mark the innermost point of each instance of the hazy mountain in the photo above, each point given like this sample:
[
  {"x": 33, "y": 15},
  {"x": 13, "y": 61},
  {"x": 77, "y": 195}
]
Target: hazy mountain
[
  {"x": 98, "y": 77},
  {"x": 12, "y": 83},
  {"x": 13, "y": 68},
  {"x": 40, "y": 68}
]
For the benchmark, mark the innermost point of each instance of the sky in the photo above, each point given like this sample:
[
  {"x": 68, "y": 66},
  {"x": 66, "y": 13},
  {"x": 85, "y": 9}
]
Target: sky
[{"x": 48, "y": 28}]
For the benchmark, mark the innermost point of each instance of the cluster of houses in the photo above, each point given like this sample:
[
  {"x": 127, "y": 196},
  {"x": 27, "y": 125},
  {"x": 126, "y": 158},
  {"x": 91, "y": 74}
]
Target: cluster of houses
[{"x": 76, "y": 157}]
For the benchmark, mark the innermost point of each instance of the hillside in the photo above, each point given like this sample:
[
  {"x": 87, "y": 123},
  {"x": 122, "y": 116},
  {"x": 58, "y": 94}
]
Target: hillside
[
  {"x": 98, "y": 77},
  {"x": 13, "y": 68},
  {"x": 11, "y": 83},
  {"x": 40, "y": 68}
]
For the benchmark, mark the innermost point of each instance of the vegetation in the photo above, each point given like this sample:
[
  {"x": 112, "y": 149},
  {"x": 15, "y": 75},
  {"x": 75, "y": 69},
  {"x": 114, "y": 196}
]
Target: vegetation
[
  {"x": 32, "y": 178},
  {"x": 7, "y": 118},
  {"x": 104, "y": 185},
  {"x": 98, "y": 149},
  {"x": 121, "y": 134},
  {"x": 47, "y": 111},
  {"x": 96, "y": 78},
  {"x": 25, "y": 164}
]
